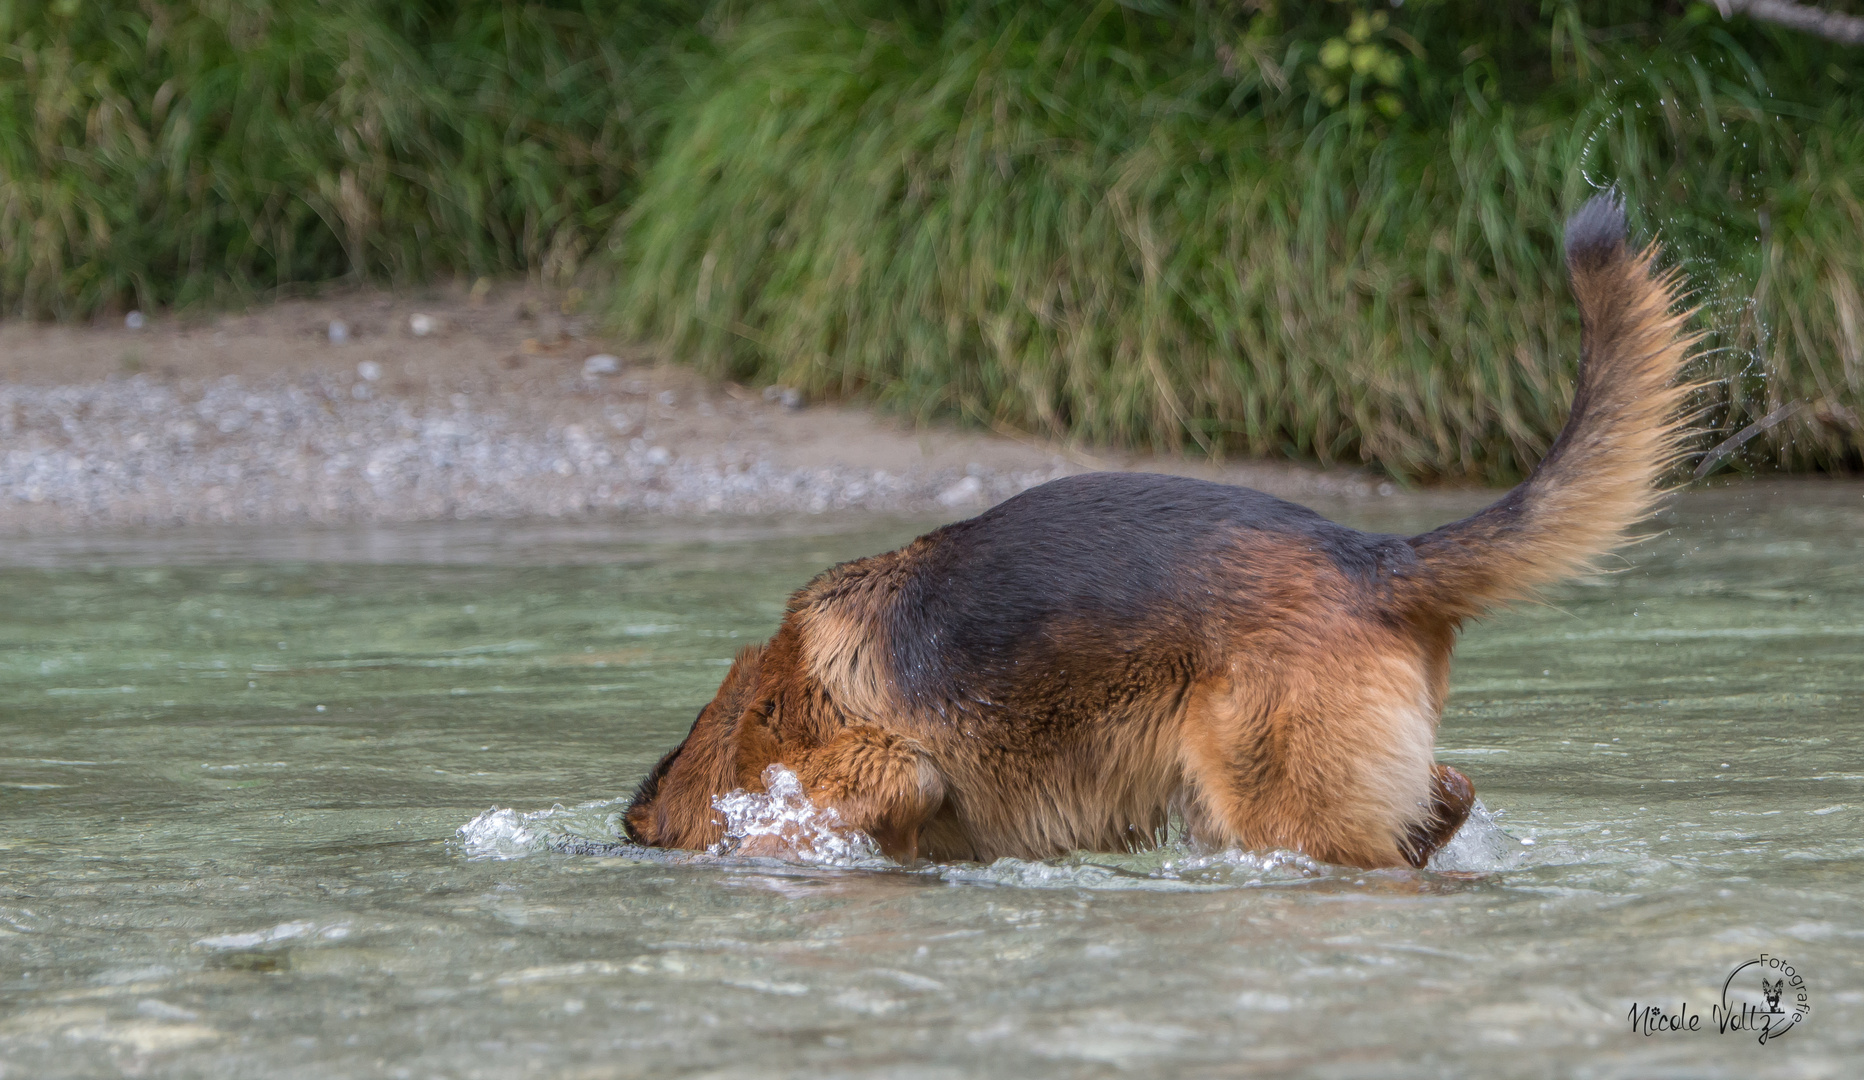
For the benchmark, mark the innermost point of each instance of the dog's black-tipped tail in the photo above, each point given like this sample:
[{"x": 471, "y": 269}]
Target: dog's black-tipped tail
[
  {"x": 1600, "y": 476},
  {"x": 1595, "y": 234}
]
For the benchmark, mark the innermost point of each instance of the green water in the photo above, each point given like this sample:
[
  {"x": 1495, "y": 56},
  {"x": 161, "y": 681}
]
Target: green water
[{"x": 234, "y": 767}]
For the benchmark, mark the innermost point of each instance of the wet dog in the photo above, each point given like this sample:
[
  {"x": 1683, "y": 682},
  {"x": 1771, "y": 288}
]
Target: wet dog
[{"x": 1073, "y": 667}]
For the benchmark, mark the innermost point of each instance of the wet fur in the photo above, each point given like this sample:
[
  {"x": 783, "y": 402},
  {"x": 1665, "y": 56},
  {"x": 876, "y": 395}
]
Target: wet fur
[{"x": 1070, "y": 668}]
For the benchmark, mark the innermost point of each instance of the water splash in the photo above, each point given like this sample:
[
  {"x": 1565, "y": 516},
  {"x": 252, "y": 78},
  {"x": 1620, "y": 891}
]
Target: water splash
[
  {"x": 1481, "y": 846},
  {"x": 1235, "y": 867},
  {"x": 782, "y": 821},
  {"x": 1585, "y": 158},
  {"x": 591, "y": 828}
]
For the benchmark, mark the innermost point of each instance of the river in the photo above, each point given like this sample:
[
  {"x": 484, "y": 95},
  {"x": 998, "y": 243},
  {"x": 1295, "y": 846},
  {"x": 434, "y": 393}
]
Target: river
[{"x": 342, "y": 802}]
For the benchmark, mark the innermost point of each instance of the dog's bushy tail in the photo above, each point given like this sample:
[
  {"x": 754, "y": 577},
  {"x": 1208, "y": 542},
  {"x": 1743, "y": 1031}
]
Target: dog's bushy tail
[{"x": 1624, "y": 432}]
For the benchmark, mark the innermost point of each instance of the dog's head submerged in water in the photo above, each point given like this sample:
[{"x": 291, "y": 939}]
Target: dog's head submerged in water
[{"x": 673, "y": 806}]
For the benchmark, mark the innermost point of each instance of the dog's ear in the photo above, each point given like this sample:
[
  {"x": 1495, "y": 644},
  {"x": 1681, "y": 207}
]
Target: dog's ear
[{"x": 640, "y": 826}]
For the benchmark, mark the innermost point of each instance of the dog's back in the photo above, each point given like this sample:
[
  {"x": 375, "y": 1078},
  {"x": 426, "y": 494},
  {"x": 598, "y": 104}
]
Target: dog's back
[{"x": 1113, "y": 566}]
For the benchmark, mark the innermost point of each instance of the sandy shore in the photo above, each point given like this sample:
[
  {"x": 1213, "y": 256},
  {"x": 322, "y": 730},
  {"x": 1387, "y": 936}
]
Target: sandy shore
[{"x": 441, "y": 405}]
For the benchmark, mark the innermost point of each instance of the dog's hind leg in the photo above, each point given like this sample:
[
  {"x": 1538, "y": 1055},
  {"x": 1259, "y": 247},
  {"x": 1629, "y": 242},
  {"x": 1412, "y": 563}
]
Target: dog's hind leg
[
  {"x": 1338, "y": 767},
  {"x": 1451, "y": 797},
  {"x": 879, "y": 782}
]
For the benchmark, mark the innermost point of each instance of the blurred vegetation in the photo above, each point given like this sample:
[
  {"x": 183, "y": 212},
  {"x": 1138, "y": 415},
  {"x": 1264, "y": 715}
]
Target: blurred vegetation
[
  {"x": 1321, "y": 230},
  {"x": 163, "y": 153},
  {"x": 1326, "y": 230}
]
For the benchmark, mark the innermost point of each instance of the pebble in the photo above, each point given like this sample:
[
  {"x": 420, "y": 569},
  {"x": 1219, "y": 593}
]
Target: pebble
[
  {"x": 601, "y": 364},
  {"x": 422, "y": 325},
  {"x": 339, "y": 331},
  {"x": 133, "y": 321},
  {"x": 791, "y": 397},
  {"x": 963, "y": 493}
]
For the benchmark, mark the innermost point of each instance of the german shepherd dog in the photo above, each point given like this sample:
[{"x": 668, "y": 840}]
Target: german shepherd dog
[{"x": 1070, "y": 668}]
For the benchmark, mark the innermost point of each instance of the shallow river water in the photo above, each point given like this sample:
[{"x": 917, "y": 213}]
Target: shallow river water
[{"x": 342, "y": 803}]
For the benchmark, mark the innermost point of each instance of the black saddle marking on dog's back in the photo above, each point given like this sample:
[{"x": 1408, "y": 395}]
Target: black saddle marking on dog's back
[{"x": 1093, "y": 552}]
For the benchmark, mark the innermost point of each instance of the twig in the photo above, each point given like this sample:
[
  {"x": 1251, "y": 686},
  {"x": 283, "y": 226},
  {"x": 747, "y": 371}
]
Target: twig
[
  {"x": 1845, "y": 29},
  {"x": 1720, "y": 453},
  {"x": 1079, "y": 457}
]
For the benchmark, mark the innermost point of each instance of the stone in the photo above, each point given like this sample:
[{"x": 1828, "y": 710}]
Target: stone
[{"x": 965, "y": 492}]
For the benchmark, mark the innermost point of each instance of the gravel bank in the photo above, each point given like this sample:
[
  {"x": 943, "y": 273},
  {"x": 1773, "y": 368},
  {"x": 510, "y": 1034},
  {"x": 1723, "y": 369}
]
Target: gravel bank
[
  {"x": 477, "y": 412},
  {"x": 141, "y": 452}
]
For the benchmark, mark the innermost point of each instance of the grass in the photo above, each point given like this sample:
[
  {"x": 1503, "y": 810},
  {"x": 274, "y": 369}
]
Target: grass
[
  {"x": 155, "y": 154},
  {"x": 1099, "y": 223}
]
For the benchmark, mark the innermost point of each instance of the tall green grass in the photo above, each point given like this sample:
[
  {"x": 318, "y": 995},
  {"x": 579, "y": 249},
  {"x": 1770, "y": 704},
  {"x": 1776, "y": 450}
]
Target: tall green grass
[
  {"x": 1150, "y": 224},
  {"x": 167, "y": 153}
]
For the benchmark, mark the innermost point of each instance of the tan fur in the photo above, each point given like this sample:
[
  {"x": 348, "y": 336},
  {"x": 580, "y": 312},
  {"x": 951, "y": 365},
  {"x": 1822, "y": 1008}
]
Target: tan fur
[
  {"x": 1288, "y": 697},
  {"x": 1318, "y": 734},
  {"x": 880, "y": 783},
  {"x": 1601, "y": 477},
  {"x": 845, "y": 653}
]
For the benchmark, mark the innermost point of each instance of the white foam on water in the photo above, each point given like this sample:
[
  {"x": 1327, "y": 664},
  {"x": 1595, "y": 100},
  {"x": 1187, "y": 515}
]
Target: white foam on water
[{"x": 804, "y": 831}]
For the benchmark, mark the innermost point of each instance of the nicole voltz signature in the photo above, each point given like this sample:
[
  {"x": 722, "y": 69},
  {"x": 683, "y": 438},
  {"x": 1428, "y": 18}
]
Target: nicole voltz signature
[{"x": 1768, "y": 1019}]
